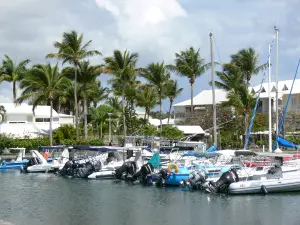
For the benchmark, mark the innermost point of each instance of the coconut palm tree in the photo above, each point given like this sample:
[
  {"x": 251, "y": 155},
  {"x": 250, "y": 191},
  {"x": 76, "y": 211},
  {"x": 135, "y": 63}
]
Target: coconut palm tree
[
  {"x": 242, "y": 100},
  {"x": 157, "y": 76},
  {"x": 100, "y": 115},
  {"x": 122, "y": 66},
  {"x": 12, "y": 72},
  {"x": 43, "y": 84},
  {"x": 189, "y": 64},
  {"x": 147, "y": 98},
  {"x": 247, "y": 60},
  {"x": 72, "y": 50},
  {"x": 230, "y": 78},
  {"x": 87, "y": 75},
  {"x": 172, "y": 92}
]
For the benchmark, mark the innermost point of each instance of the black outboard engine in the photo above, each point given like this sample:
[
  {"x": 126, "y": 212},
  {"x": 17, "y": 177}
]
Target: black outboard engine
[
  {"x": 68, "y": 169},
  {"x": 145, "y": 170},
  {"x": 162, "y": 177},
  {"x": 127, "y": 169},
  {"x": 221, "y": 186},
  {"x": 195, "y": 181},
  {"x": 31, "y": 162}
]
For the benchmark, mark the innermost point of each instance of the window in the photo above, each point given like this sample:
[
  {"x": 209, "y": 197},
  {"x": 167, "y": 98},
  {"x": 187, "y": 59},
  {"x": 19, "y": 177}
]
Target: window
[
  {"x": 55, "y": 119},
  {"x": 16, "y": 122},
  {"x": 47, "y": 120},
  {"x": 263, "y": 90},
  {"x": 285, "y": 88},
  {"x": 273, "y": 89},
  {"x": 38, "y": 120}
]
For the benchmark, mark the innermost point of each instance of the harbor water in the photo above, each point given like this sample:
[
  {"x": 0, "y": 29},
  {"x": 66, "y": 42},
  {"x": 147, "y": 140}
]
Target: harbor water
[{"x": 48, "y": 199}]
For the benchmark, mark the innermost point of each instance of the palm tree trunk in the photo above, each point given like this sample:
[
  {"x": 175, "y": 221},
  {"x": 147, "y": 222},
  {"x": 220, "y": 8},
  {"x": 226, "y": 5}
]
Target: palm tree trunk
[
  {"x": 14, "y": 92},
  {"x": 192, "y": 96},
  {"x": 97, "y": 127},
  {"x": 75, "y": 99},
  {"x": 171, "y": 103},
  {"x": 123, "y": 106},
  {"x": 85, "y": 117},
  {"x": 246, "y": 125},
  {"x": 51, "y": 119},
  {"x": 101, "y": 130},
  {"x": 145, "y": 114}
]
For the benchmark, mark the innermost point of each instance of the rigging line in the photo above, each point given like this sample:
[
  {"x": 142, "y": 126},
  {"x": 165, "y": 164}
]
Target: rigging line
[
  {"x": 217, "y": 50},
  {"x": 258, "y": 96},
  {"x": 286, "y": 106}
]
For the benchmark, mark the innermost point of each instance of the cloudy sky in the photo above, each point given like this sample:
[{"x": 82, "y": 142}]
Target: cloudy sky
[{"x": 156, "y": 29}]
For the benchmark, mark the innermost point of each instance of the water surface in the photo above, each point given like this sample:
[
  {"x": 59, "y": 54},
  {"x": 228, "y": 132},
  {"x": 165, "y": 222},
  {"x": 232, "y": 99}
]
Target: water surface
[{"x": 37, "y": 199}]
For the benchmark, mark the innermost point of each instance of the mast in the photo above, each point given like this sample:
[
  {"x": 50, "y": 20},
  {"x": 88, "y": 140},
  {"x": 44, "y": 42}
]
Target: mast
[
  {"x": 270, "y": 107},
  {"x": 276, "y": 31},
  {"x": 213, "y": 88}
]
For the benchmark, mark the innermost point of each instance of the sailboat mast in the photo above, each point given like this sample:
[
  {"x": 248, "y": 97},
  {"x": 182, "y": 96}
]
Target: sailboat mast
[
  {"x": 270, "y": 102},
  {"x": 276, "y": 31},
  {"x": 213, "y": 88}
]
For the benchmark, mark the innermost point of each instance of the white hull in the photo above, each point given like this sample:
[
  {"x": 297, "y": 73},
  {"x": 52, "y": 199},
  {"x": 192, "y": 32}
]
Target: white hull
[
  {"x": 40, "y": 168},
  {"x": 289, "y": 182}
]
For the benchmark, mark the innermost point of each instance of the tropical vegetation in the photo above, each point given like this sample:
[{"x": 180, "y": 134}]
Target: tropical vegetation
[{"x": 73, "y": 86}]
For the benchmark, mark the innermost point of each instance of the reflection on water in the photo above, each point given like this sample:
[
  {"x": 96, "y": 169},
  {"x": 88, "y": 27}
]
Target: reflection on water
[{"x": 37, "y": 199}]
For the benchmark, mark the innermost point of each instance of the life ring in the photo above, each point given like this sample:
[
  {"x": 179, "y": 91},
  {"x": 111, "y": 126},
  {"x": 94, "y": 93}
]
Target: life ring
[{"x": 172, "y": 166}]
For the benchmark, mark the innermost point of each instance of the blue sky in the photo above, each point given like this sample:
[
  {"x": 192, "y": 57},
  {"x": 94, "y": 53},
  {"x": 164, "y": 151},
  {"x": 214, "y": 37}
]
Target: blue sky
[{"x": 156, "y": 29}]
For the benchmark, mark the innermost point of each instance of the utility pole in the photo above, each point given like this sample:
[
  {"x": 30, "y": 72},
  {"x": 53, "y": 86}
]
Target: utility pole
[{"x": 213, "y": 88}]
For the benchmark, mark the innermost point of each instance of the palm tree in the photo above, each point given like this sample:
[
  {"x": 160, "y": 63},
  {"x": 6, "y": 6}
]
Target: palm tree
[
  {"x": 122, "y": 66},
  {"x": 157, "y": 75},
  {"x": 147, "y": 98},
  {"x": 72, "y": 50},
  {"x": 100, "y": 115},
  {"x": 230, "y": 78},
  {"x": 242, "y": 100},
  {"x": 12, "y": 72},
  {"x": 87, "y": 77},
  {"x": 172, "y": 92},
  {"x": 43, "y": 84},
  {"x": 189, "y": 64},
  {"x": 247, "y": 60}
]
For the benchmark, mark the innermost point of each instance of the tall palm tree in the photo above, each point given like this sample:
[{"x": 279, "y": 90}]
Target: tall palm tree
[
  {"x": 230, "y": 78},
  {"x": 172, "y": 92},
  {"x": 43, "y": 84},
  {"x": 12, "y": 72},
  {"x": 147, "y": 98},
  {"x": 242, "y": 100},
  {"x": 87, "y": 77},
  {"x": 100, "y": 115},
  {"x": 189, "y": 64},
  {"x": 122, "y": 66},
  {"x": 157, "y": 75},
  {"x": 73, "y": 50},
  {"x": 247, "y": 60}
]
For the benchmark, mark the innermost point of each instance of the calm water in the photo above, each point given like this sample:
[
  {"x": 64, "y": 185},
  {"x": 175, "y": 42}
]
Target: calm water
[{"x": 35, "y": 199}]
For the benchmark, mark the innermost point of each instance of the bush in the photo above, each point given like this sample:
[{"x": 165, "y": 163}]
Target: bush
[
  {"x": 34, "y": 144},
  {"x": 64, "y": 132},
  {"x": 170, "y": 132}
]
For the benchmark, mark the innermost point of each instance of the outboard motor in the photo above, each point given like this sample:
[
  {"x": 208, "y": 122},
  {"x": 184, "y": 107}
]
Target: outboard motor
[
  {"x": 221, "y": 186},
  {"x": 85, "y": 171},
  {"x": 195, "y": 181},
  {"x": 128, "y": 168},
  {"x": 32, "y": 161},
  {"x": 67, "y": 170},
  {"x": 145, "y": 170},
  {"x": 162, "y": 177}
]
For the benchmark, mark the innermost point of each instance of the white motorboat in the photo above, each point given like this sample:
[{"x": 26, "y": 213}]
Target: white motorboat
[
  {"x": 36, "y": 164},
  {"x": 58, "y": 163}
]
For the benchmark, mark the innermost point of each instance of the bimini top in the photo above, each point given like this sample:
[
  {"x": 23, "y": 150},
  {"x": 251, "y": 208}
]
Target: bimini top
[
  {"x": 245, "y": 153},
  {"x": 97, "y": 148},
  {"x": 58, "y": 147},
  {"x": 270, "y": 154}
]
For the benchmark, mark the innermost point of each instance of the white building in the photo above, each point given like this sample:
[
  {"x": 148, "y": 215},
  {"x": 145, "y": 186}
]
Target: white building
[
  {"x": 203, "y": 101},
  {"x": 20, "y": 122}
]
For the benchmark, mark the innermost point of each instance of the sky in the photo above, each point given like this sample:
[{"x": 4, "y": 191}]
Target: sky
[{"x": 156, "y": 29}]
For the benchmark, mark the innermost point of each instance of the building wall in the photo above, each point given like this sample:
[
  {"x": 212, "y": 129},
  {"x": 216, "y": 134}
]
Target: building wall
[{"x": 66, "y": 120}]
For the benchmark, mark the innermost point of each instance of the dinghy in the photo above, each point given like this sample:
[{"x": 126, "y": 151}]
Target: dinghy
[{"x": 36, "y": 164}]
